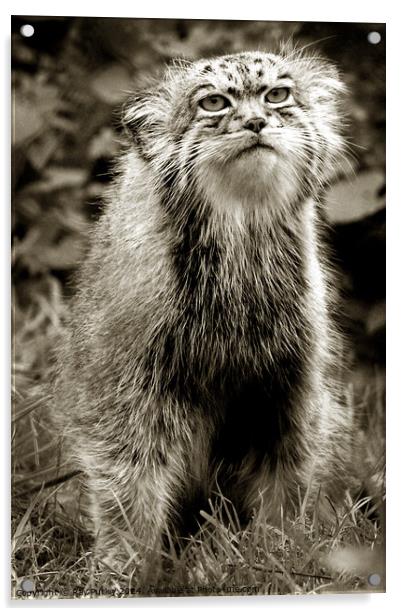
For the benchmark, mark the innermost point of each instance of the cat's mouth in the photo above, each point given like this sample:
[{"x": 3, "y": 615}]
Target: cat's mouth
[
  {"x": 257, "y": 146},
  {"x": 260, "y": 146}
]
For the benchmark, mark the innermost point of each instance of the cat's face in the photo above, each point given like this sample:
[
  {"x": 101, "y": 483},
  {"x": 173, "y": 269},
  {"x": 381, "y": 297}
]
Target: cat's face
[{"x": 245, "y": 127}]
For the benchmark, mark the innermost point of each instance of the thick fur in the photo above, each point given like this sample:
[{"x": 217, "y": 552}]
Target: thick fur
[{"x": 201, "y": 347}]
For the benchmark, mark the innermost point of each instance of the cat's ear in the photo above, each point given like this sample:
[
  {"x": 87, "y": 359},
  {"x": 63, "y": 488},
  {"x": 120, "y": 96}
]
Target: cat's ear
[
  {"x": 319, "y": 76},
  {"x": 322, "y": 80},
  {"x": 328, "y": 71},
  {"x": 137, "y": 113},
  {"x": 331, "y": 76},
  {"x": 143, "y": 119}
]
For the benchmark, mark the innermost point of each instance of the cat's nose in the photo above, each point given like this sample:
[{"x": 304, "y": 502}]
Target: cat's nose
[{"x": 255, "y": 124}]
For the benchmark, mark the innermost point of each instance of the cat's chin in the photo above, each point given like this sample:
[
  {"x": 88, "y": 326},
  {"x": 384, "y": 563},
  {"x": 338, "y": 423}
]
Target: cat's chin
[
  {"x": 253, "y": 166},
  {"x": 246, "y": 179}
]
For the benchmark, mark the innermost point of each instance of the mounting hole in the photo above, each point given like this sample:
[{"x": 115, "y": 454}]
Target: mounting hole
[
  {"x": 374, "y": 579},
  {"x": 27, "y": 30},
  {"x": 374, "y": 38},
  {"x": 27, "y": 586}
]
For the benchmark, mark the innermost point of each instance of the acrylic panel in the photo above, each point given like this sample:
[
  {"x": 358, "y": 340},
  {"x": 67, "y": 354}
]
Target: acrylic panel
[{"x": 198, "y": 223}]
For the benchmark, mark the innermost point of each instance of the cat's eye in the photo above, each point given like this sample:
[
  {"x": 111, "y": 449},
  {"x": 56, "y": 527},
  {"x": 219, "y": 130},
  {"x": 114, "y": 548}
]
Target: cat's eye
[
  {"x": 214, "y": 102},
  {"x": 277, "y": 95}
]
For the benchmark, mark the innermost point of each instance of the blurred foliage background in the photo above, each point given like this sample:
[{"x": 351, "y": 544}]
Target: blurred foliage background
[{"x": 68, "y": 81}]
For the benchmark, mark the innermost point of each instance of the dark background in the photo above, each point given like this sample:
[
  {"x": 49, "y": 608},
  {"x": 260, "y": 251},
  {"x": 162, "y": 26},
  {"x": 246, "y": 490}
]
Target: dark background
[{"x": 68, "y": 81}]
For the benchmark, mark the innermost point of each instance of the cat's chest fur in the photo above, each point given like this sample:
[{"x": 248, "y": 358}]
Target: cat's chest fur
[{"x": 239, "y": 312}]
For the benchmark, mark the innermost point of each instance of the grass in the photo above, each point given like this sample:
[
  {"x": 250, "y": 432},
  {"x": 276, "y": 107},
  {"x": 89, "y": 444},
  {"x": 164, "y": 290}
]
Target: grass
[
  {"x": 52, "y": 550},
  {"x": 51, "y": 547}
]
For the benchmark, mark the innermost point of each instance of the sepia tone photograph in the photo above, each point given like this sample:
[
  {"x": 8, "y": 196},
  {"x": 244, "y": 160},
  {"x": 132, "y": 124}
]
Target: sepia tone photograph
[{"x": 198, "y": 307}]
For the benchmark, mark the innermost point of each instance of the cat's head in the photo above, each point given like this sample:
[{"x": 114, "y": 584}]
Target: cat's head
[{"x": 243, "y": 127}]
